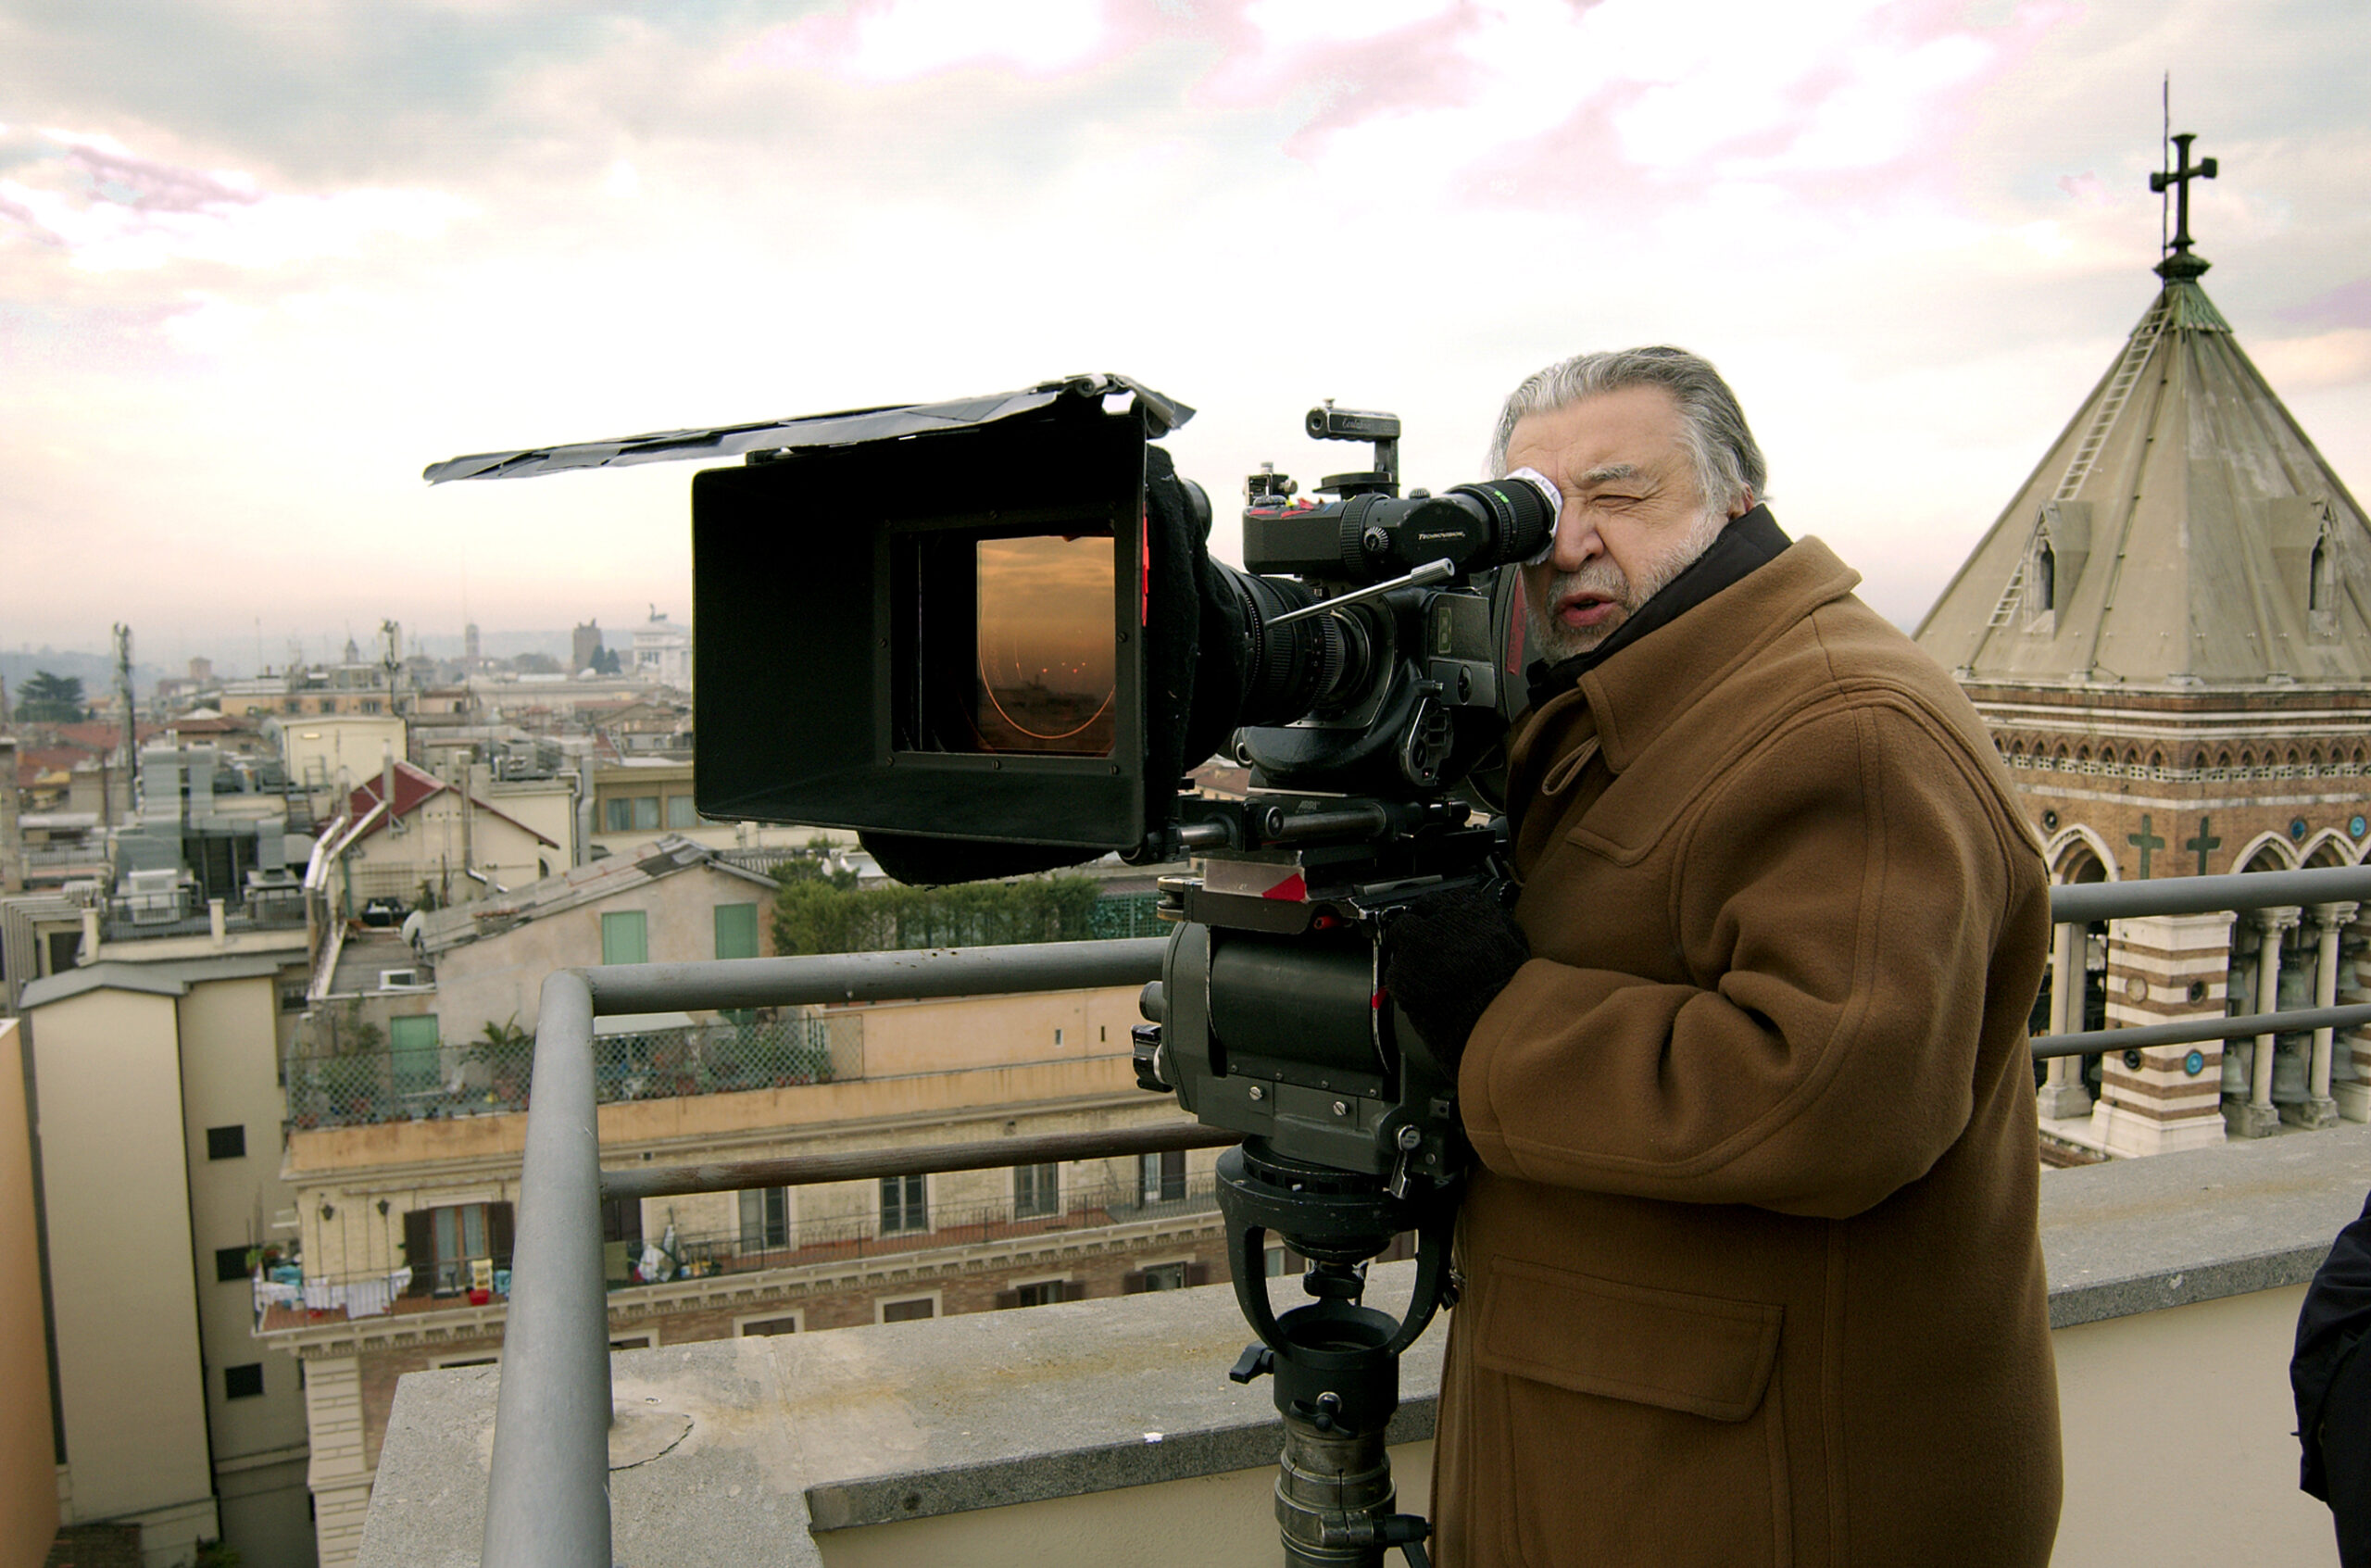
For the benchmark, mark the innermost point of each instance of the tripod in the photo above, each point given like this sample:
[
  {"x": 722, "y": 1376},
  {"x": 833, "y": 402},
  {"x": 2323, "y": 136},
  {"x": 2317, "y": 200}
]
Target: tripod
[{"x": 1335, "y": 1363}]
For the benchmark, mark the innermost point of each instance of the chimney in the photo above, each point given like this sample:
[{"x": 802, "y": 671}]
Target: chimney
[
  {"x": 387, "y": 778},
  {"x": 216, "y": 924},
  {"x": 90, "y": 953}
]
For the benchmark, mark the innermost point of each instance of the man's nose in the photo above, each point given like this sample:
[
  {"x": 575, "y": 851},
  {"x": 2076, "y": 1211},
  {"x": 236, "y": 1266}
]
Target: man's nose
[{"x": 1576, "y": 540}]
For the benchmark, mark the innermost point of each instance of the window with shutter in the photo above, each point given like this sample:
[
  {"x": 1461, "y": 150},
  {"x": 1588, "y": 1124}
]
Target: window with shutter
[
  {"x": 1036, "y": 1191},
  {"x": 765, "y": 1218},
  {"x": 625, "y": 937},
  {"x": 498, "y": 1238},
  {"x": 737, "y": 931},
  {"x": 905, "y": 1205},
  {"x": 420, "y": 1250},
  {"x": 1161, "y": 1177}
]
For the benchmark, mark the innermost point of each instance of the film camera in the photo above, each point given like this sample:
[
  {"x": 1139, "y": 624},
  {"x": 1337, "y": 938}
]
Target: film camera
[{"x": 988, "y": 636}]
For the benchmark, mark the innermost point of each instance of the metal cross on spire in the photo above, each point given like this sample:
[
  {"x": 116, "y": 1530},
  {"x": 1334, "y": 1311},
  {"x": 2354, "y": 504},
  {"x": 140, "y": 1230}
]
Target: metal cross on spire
[{"x": 2179, "y": 261}]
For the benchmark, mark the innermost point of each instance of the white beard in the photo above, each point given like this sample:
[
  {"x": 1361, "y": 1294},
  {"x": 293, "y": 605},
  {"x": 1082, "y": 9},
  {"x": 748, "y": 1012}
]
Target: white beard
[{"x": 1557, "y": 641}]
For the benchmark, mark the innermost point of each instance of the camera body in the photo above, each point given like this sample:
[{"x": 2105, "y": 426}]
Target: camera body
[{"x": 988, "y": 636}]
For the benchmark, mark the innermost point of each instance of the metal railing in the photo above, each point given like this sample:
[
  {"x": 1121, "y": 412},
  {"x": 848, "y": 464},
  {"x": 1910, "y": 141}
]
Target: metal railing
[
  {"x": 56, "y": 854},
  {"x": 547, "y": 1495},
  {"x": 287, "y": 1296},
  {"x": 2081, "y": 903},
  {"x": 547, "y": 1499},
  {"x": 804, "y": 1240}
]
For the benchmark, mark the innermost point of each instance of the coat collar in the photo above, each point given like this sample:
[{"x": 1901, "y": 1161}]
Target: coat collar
[{"x": 1637, "y": 693}]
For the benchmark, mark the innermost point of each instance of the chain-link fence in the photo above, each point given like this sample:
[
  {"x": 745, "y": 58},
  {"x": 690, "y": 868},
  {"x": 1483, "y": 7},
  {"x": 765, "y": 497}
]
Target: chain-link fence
[
  {"x": 1126, "y": 914},
  {"x": 336, "y": 1080}
]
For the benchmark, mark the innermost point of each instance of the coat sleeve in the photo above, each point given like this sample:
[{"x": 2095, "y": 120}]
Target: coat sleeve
[
  {"x": 2331, "y": 1324},
  {"x": 1840, "y": 898}
]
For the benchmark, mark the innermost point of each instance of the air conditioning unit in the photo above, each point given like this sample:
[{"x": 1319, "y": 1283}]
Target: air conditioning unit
[{"x": 398, "y": 979}]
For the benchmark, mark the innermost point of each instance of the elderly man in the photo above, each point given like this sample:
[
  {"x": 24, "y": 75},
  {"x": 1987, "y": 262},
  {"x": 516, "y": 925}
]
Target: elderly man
[{"x": 1751, "y": 1262}]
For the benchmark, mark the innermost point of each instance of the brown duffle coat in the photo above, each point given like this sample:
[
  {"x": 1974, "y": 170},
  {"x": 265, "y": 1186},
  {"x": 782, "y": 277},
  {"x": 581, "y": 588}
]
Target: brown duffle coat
[{"x": 1751, "y": 1264}]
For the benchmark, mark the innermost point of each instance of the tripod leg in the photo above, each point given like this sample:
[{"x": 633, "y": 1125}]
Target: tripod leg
[{"x": 1328, "y": 1486}]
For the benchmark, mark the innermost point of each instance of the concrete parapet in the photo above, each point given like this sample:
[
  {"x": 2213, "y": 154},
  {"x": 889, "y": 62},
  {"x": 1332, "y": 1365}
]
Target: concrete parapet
[{"x": 1106, "y": 1431}]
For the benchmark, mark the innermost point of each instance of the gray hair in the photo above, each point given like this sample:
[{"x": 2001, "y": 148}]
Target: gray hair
[{"x": 1728, "y": 461}]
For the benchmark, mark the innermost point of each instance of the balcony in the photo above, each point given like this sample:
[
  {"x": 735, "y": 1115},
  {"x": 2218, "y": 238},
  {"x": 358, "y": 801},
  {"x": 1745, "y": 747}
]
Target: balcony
[
  {"x": 51, "y": 855},
  {"x": 287, "y": 1299},
  {"x": 353, "y": 1078},
  {"x": 806, "y": 1243}
]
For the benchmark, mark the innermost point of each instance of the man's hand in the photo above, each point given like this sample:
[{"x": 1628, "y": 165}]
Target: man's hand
[{"x": 1444, "y": 958}]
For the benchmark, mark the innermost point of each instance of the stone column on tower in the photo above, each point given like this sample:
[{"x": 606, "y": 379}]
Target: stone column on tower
[
  {"x": 2157, "y": 1099},
  {"x": 2256, "y": 1116},
  {"x": 2319, "y": 1109},
  {"x": 2065, "y": 1095},
  {"x": 2350, "y": 1069}
]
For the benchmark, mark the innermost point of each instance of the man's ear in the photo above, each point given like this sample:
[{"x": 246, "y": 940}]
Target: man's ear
[{"x": 1741, "y": 506}]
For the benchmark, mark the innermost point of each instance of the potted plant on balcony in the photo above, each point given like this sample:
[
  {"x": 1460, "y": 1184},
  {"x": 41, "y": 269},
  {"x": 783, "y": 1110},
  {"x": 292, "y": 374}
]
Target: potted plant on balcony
[{"x": 508, "y": 1049}]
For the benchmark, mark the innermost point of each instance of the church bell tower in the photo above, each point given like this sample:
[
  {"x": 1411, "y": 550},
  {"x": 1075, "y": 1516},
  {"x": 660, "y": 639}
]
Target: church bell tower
[{"x": 2168, "y": 631}]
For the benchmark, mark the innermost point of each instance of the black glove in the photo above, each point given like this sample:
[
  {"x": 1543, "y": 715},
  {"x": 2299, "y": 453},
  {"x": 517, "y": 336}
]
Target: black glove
[{"x": 1444, "y": 958}]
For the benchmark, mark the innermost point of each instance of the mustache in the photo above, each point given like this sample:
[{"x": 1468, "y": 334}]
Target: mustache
[{"x": 1600, "y": 577}]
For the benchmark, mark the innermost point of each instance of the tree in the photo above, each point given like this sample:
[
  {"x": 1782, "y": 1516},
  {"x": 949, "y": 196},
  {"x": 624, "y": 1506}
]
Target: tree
[
  {"x": 50, "y": 700},
  {"x": 537, "y": 664},
  {"x": 815, "y": 912},
  {"x": 816, "y": 865},
  {"x": 605, "y": 662}
]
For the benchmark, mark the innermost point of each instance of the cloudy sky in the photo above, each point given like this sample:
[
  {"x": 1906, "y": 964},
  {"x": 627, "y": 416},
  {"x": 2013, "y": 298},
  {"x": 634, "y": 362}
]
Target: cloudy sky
[{"x": 259, "y": 262}]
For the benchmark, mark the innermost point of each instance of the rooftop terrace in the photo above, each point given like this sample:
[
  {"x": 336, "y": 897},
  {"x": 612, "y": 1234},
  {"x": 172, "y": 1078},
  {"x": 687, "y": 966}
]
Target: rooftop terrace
[{"x": 1106, "y": 1431}]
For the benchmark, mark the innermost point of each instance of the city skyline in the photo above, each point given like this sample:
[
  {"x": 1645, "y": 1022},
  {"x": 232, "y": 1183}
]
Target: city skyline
[
  {"x": 166, "y": 650},
  {"x": 260, "y": 270}
]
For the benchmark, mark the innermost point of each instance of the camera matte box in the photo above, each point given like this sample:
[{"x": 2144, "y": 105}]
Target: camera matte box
[{"x": 797, "y": 633}]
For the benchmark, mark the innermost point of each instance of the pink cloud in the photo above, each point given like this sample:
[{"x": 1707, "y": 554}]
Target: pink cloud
[
  {"x": 2087, "y": 188},
  {"x": 1867, "y": 115},
  {"x": 153, "y": 186},
  {"x": 108, "y": 209}
]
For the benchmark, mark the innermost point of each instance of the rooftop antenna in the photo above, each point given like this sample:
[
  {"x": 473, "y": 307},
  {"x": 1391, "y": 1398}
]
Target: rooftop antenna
[
  {"x": 390, "y": 659},
  {"x": 124, "y": 695}
]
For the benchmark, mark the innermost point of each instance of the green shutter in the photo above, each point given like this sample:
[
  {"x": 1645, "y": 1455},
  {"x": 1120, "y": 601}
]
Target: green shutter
[
  {"x": 625, "y": 937},
  {"x": 412, "y": 1045},
  {"x": 737, "y": 931}
]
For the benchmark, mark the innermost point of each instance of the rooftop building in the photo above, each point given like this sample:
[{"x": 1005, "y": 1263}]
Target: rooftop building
[{"x": 2166, "y": 630}]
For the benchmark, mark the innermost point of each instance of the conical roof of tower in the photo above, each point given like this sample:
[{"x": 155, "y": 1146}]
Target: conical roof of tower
[{"x": 2182, "y": 531}]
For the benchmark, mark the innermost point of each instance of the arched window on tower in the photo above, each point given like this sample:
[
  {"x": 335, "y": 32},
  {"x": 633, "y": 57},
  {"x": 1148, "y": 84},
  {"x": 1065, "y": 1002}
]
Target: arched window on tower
[
  {"x": 2053, "y": 565},
  {"x": 2321, "y": 590}
]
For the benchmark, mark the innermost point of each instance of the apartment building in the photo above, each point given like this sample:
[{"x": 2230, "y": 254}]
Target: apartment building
[
  {"x": 407, "y": 1212},
  {"x": 156, "y": 1109}
]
